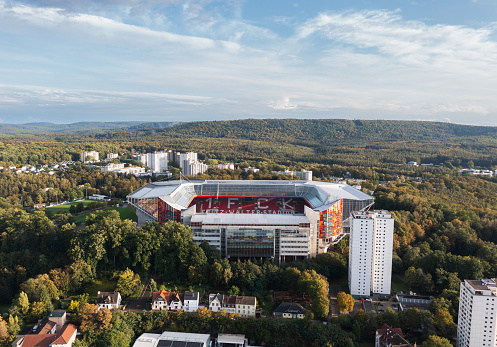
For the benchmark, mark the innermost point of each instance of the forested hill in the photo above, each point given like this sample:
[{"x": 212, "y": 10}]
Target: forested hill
[
  {"x": 318, "y": 130},
  {"x": 78, "y": 128}
]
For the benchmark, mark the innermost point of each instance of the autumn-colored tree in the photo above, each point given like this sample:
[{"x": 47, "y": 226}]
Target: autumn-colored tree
[
  {"x": 4, "y": 333},
  {"x": 345, "y": 302},
  {"x": 23, "y": 303},
  {"x": 73, "y": 306},
  {"x": 38, "y": 309},
  {"x": 93, "y": 319}
]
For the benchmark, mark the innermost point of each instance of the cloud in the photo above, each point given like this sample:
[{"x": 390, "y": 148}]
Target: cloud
[
  {"x": 213, "y": 63},
  {"x": 283, "y": 104},
  {"x": 410, "y": 42}
]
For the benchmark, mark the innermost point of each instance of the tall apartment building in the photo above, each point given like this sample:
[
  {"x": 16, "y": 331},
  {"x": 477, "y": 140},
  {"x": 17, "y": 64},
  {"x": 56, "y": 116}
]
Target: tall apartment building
[
  {"x": 194, "y": 168},
  {"x": 95, "y": 155},
  {"x": 477, "y": 324},
  {"x": 370, "y": 253},
  {"x": 158, "y": 161},
  {"x": 185, "y": 158}
]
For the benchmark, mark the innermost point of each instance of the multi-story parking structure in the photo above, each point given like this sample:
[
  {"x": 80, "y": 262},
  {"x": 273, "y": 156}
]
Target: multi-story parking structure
[{"x": 283, "y": 220}]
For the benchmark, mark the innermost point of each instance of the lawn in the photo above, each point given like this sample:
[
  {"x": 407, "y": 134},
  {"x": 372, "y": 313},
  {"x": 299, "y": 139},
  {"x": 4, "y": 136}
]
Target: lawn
[
  {"x": 398, "y": 284},
  {"x": 66, "y": 207},
  {"x": 102, "y": 285},
  {"x": 125, "y": 213}
]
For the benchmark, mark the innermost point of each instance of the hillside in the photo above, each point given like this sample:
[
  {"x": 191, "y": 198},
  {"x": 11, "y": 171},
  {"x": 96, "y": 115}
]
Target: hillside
[
  {"x": 77, "y": 128},
  {"x": 286, "y": 141}
]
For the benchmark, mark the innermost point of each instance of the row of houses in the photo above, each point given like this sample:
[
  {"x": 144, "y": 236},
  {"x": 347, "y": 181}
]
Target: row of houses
[
  {"x": 163, "y": 300},
  {"x": 245, "y": 306}
]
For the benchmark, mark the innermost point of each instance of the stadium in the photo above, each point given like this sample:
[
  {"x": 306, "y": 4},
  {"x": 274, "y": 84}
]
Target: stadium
[{"x": 282, "y": 220}]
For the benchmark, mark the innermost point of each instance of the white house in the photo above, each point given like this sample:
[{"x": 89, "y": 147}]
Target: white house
[
  {"x": 110, "y": 300},
  {"x": 243, "y": 305},
  {"x": 190, "y": 301}
]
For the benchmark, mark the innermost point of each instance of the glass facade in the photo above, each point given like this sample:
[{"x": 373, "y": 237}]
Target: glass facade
[{"x": 248, "y": 242}]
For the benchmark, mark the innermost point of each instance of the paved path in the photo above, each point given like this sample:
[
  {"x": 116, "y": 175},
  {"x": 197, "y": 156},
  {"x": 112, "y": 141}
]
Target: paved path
[{"x": 141, "y": 303}]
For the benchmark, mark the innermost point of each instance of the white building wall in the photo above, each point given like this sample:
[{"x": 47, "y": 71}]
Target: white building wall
[
  {"x": 158, "y": 161},
  {"x": 381, "y": 270},
  {"x": 190, "y": 305},
  {"x": 370, "y": 253},
  {"x": 360, "y": 256},
  {"x": 477, "y": 324},
  {"x": 189, "y": 156}
]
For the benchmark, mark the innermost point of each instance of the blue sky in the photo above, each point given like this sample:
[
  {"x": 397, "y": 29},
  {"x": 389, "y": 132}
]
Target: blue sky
[{"x": 66, "y": 61}]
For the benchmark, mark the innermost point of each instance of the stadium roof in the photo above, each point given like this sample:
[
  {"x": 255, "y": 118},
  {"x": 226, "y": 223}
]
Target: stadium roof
[{"x": 180, "y": 193}]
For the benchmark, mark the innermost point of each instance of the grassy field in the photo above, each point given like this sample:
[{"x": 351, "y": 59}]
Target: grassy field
[
  {"x": 66, "y": 207},
  {"x": 102, "y": 285},
  {"x": 398, "y": 284},
  {"x": 124, "y": 212}
]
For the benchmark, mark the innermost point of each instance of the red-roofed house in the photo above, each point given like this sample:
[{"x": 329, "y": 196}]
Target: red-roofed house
[
  {"x": 391, "y": 337},
  {"x": 160, "y": 301},
  {"x": 64, "y": 338}
]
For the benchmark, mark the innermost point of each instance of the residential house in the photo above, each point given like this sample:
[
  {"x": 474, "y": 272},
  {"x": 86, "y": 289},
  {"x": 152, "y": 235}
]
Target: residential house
[
  {"x": 390, "y": 337},
  {"x": 190, "y": 301},
  {"x": 243, "y": 305},
  {"x": 59, "y": 317},
  {"x": 160, "y": 301},
  {"x": 110, "y": 300},
  {"x": 229, "y": 303},
  {"x": 175, "y": 302},
  {"x": 215, "y": 302},
  {"x": 163, "y": 300},
  {"x": 64, "y": 338},
  {"x": 246, "y": 305},
  {"x": 290, "y": 310}
]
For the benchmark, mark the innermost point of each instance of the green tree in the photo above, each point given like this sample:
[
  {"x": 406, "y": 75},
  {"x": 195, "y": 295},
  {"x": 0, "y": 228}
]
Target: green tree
[
  {"x": 436, "y": 341},
  {"x": 127, "y": 282}
]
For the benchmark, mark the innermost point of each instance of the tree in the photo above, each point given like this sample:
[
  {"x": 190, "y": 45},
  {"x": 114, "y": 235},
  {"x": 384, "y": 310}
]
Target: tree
[
  {"x": 38, "y": 309},
  {"x": 217, "y": 273},
  {"x": 73, "y": 306},
  {"x": 345, "y": 302},
  {"x": 23, "y": 303},
  {"x": 127, "y": 282},
  {"x": 93, "y": 319},
  {"x": 152, "y": 285},
  {"x": 233, "y": 291},
  {"x": 4, "y": 333},
  {"x": 436, "y": 341}
]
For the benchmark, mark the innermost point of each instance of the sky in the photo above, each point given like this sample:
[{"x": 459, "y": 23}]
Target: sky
[{"x": 66, "y": 61}]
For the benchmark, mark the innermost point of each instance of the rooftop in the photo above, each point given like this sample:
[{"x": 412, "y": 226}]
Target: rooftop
[
  {"x": 179, "y": 194},
  {"x": 231, "y": 338},
  {"x": 289, "y": 307},
  {"x": 484, "y": 284}
]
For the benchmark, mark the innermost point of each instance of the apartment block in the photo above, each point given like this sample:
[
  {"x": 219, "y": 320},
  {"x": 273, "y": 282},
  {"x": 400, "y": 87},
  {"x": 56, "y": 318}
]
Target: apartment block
[
  {"x": 370, "y": 253},
  {"x": 477, "y": 324}
]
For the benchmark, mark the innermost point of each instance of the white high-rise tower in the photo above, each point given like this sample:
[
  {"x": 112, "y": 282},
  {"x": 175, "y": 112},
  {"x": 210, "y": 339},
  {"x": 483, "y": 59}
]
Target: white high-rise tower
[
  {"x": 477, "y": 323},
  {"x": 370, "y": 253}
]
